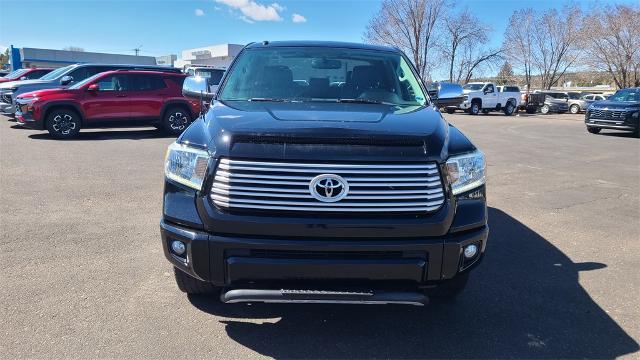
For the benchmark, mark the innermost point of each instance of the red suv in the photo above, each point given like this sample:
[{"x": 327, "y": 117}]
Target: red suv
[
  {"x": 123, "y": 97},
  {"x": 25, "y": 74}
]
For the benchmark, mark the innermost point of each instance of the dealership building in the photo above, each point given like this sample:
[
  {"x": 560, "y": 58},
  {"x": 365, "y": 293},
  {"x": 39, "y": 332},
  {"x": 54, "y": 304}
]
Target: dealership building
[
  {"x": 32, "y": 57},
  {"x": 214, "y": 55}
]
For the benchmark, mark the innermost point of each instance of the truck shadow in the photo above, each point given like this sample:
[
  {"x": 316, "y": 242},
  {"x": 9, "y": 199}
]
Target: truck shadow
[
  {"x": 98, "y": 134},
  {"x": 524, "y": 301}
]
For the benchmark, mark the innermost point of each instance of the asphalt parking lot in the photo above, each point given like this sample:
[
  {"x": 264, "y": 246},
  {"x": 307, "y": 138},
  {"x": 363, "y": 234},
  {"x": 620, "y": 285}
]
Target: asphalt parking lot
[{"x": 84, "y": 275}]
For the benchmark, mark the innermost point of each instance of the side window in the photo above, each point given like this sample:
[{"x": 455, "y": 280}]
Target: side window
[
  {"x": 117, "y": 82},
  {"x": 79, "y": 74},
  {"x": 35, "y": 74},
  {"x": 489, "y": 88},
  {"x": 147, "y": 83}
]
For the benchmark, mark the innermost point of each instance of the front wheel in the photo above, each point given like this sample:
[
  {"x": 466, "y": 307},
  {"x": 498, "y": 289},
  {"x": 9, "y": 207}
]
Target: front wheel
[
  {"x": 574, "y": 109},
  {"x": 176, "y": 120},
  {"x": 191, "y": 285},
  {"x": 509, "y": 109},
  {"x": 451, "y": 111},
  {"x": 544, "y": 109},
  {"x": 474, "y": 109},
  {"x": 593, "y": 130},
  {"x": 63, "y": 124}
]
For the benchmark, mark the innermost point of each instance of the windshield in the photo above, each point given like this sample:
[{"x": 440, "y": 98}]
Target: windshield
[
  {"x": 56, "y": 73},
  {"x": 473, "y": 87},
  {"x": 626, "y": 95},
  {"x": 79, "y": 84},
  {"x": 15, "y": 74},
  {"x": 322, "y": 74},
  {"x": 574, "y": 96}
]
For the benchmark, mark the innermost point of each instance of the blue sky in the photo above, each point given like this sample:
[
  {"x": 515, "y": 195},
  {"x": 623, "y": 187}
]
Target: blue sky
[{"x": 169, "y": 26}]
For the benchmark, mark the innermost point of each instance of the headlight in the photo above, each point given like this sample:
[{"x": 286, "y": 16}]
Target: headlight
[
  {"x": 186, "y": 165},
  {"x": 466, "y": 172}
]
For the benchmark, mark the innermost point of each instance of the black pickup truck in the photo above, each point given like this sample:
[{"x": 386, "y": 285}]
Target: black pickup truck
[{"x": 323, "y": 172}]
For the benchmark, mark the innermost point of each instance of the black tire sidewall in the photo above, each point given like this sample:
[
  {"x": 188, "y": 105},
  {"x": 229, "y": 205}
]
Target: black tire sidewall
[
  {"x": 509, "y": 106},
  {"x": 63, "y": 112}
]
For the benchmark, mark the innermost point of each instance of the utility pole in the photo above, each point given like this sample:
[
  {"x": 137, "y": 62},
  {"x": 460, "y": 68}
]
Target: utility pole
[{"x": 137, "y": 50}]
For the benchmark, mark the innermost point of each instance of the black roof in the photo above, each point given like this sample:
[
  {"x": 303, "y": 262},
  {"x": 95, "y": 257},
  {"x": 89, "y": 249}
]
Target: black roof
[{"x": 328, "y": 44}]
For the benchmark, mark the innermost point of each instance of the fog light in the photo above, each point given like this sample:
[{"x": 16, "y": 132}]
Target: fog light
[
  {"x": 470, "y": 251},
  {"x": 179, "y": 248}
]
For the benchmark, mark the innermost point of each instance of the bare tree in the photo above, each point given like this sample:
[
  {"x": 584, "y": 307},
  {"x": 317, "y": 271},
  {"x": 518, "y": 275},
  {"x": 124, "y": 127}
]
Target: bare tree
[
  {"x": 555, "y": 44},
  {"x": 73, "y": 48},
  {"x": 464, "y": 46},
  {"x": 518, "y": 42},
  {"x": 409, "y": 25},
  {"x": 611, "y": 39}
]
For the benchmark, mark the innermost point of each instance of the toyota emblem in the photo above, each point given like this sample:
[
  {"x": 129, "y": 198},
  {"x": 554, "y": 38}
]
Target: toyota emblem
[{"x": 328, "y": 188}]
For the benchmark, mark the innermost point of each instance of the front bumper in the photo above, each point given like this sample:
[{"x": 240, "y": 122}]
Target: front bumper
[
  {"x": 628, "y": 124},
  {"x": 7, "y": 109},
  {"x": 26, "y": 117},
  {"x": 234, "y": 260}
]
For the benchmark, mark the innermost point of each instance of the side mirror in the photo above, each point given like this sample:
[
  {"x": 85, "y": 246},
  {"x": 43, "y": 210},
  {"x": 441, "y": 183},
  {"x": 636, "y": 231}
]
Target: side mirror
[
  {"x": 66, "y": 80},
  {"x": 445, "y": 94},
  {"x": 93, "y": 87},
  {"x": 198, "y": 88}
]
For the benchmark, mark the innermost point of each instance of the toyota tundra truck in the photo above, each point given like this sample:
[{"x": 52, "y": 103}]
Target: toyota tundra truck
[
  {"x": 323, "y": 172},
  {"x": 485, "y": 97}
]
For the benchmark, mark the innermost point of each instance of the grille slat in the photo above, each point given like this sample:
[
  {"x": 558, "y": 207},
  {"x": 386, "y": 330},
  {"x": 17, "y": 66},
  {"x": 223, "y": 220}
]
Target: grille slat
[
  {"x": 284, "y": 186},
  {"x": 606, "y": 114}
]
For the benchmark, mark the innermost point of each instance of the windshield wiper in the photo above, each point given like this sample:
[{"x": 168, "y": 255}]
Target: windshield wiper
[
  {"x": 360, "y": 101},
  {"x": 267, "y": 99}
]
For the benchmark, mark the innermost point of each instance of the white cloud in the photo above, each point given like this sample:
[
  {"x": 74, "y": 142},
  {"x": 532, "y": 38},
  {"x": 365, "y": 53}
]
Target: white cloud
[
  {"x": 199, "y": 12},
  {"x": 297, "y": 18},
  {"x": 253, "y": 11}
]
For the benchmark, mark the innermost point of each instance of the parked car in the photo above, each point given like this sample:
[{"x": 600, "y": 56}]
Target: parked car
[
  {"x": 590, "y": 98},
  {"x": 531, "y": 103},
  {"x": 576, "y": 102},
  {"x": 485, "y": 97},
  {"x": 61, "y": 78},
  {"x": 358, "y": 192},
  {"x": 25, "y": 74},
  {"x": 620, "y": 111},
  {"x": 555, "y": 102},
  {"x": 114, "y": 97}
]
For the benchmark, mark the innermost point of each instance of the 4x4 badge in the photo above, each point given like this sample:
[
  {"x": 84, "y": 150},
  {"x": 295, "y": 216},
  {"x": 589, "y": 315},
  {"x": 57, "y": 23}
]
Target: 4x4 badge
[{"x": 328, "y": 188}]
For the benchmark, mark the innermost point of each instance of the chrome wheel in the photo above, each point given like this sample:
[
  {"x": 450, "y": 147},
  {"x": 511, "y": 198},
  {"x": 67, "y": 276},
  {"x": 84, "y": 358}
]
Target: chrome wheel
[
  {"x": 544, "y": 109},
  {"x": 63, "y": 124},
  {"x": 178, "y": 121},
  {"x": 574, "y": 109}
]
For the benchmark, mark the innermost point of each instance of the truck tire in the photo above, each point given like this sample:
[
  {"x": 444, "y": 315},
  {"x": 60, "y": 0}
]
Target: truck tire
[
  {"x": 175, "y": 120},
  {"x": 544, "y": 109},
  {"x": 191, "y": 285},
  {"x": 531, "y": 110},
  {"x": 451, "y": 111},
  {"x": 63, "y": 123},
  {"x": 574, "y": 109},
  {"x": 449, "y": 289},
  {"x": 509, "y": 109},
  {"x": 593, "y": 130},
  {"x": 475, "y": 108}
]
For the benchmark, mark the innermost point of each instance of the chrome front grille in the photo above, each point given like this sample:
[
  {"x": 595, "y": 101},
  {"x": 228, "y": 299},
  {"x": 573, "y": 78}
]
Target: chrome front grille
[
  {"x": 6, "y": 98},
  {"x": 605, "y": 114},
  {"x": 285, "y": 186}
]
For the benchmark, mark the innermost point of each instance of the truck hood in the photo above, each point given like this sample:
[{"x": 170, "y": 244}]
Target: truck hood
[
  {"x": 608, "y": 104},
  {"x": 321, "y": 131},
  {"x": 12, "y": 84}
]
